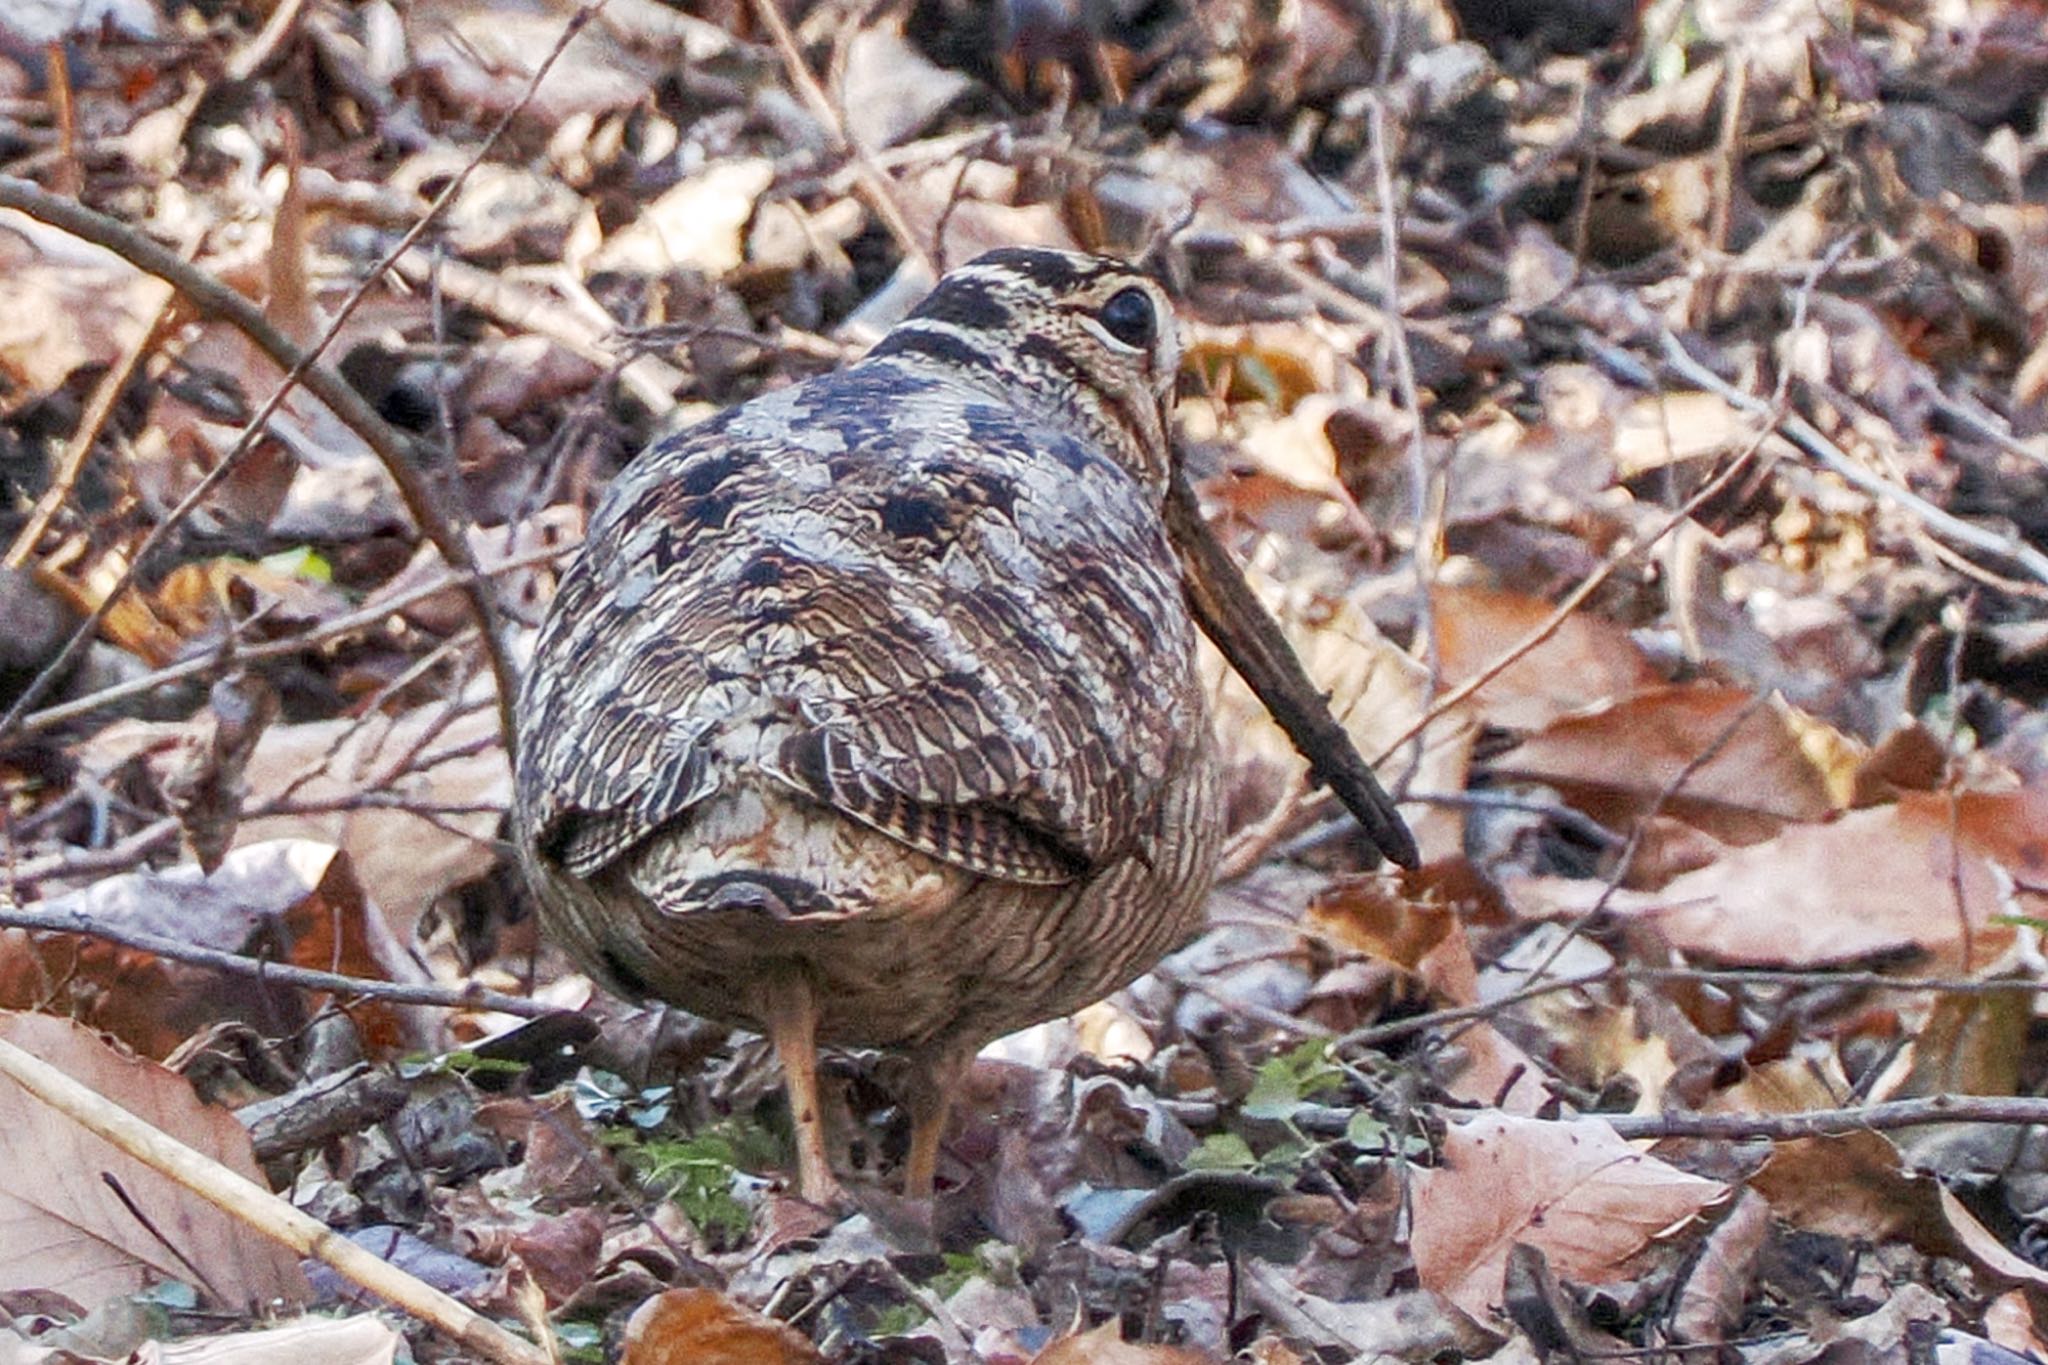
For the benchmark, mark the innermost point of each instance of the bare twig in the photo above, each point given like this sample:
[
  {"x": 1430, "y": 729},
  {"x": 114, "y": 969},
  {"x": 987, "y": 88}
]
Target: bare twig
[
  {"x": 212, "y": 298},
  {"x": 1626, "y": 550},
  {"x": 1375, "y": 1035},
  {"x": 1427, "y": 494},
  {"x": 1915, "y": 1113},
  {"x": 365, "y": 618},
  {"x": 283, "y": 974},
  {"x": 1814, "y": 442},
  {"x": 877, "y": 188}
]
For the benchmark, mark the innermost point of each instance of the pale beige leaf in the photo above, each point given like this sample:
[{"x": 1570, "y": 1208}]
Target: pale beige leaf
[
  {"x": 360, "y": 1340},
  {"x": 1588, "y": 1200},
  {"x": 1915, "y": 875},
  {"x": 61, "y": 1224}
]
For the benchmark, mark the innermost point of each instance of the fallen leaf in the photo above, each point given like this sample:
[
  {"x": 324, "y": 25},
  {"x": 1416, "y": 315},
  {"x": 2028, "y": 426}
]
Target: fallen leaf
[
  {"x": 697, "y": 225},
  {"x": 1588, "y": 1200},
  {"x": 703, "y": 1327},
  {"x": 1920, "y": 874},
  {"x": 360, "y": 1340},
  {"x": 1586, "y": 661},
  {"x": 1856, "y": 1186},
  {"x": 65, "y": 305},
  {"x": 62, "y": 1224},
  {"x": 1616, "y": 761},
  {"x": 295, "y": 901},
  {"x": 1105, "y": 1345}
]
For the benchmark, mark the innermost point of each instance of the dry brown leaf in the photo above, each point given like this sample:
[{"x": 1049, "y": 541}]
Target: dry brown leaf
[
  {"x": 64, "y": 305},
  {"x": 291, "y": 901},
  {"x": 1105, "y": 1345},
  {"x": 1616, "y": 761},
  {"x": 1873, "y": 882},
  {"x": 1856, "y": 1186},
  {"x": 1810, "y": 1078},
  {"x": 187, "y": 436},
  {"x": 1430, "y": 942},
  {"x": 1369, "y": 915},
  {"x": 2012, "y": 1322},
  {"x": 1710, "y": 1303},
  {"x": 1262, "y": 364},
  {"x": 1587, "y": 661},
  {"x": 66, "y": 1227},
  {"x": 481, "y": 54},
  {"x": 888, "y": 89},
  {"x": 699, "y": 225},
  {"x": 451, "y": 772},
  {"x": 197, "y": 598},
  {"x": 1966, "y": 1045},
  {"x": 703, "y": 1327},
  {"x": 1575, "y": 1191},
  {"x": 1669, "y": 428}
]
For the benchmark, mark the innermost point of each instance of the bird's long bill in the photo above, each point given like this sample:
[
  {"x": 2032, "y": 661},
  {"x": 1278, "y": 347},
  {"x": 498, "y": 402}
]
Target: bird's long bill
[{"x": 1251, "y": 640}]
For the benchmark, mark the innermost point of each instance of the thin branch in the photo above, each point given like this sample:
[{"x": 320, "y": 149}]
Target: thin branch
[
  {"x": 1551, "y": 624},
  {"x": 1915, "y": 1113},
  {"x": 276, "y": 973},
  {"x": 373, "y": 614},
  {"x": 880, "y": 191},
  {"x": 214, "y": 299},
  {"x": 1374, "y": 1035},
  {"x": 1429, "y": 491},
  {"x": 1810, "y": 439}
]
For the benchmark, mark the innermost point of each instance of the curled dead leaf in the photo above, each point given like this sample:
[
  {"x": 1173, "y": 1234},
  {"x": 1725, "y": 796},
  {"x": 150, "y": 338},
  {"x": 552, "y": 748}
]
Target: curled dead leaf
[
  {"x": 1105, "y": 1345},
  {"x": 703, "y": 1327}
]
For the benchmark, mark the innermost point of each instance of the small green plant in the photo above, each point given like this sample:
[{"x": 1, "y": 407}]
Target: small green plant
[
  {"x": 697, "y": 1172},
  {"x": 460, "y": 1062},
  {"x": 602, "y": 1097},
  {"x": 956, "y": 1269},
  {"x": 1288, "y": 1080},
  {"x": 302, "y": 561},
  {"x": 1284, "y": 1085},
  {"x": 581, "y": 1342}
]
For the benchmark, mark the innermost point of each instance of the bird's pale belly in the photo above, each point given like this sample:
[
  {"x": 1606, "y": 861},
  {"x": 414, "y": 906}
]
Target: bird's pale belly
[{"x": 903, "y": 950}]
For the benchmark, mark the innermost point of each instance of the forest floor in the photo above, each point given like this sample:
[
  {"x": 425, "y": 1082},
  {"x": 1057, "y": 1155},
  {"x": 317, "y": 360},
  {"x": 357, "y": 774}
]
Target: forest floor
[{"x": 1637, "y": 416}]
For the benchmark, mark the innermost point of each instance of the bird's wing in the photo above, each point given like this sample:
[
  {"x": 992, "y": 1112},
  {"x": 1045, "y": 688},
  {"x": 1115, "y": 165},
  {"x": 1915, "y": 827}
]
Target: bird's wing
[{"x": 967, "y": 638}]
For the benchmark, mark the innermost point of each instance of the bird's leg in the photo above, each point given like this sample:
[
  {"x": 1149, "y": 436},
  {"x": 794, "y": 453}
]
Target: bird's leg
[
  {"x": 929, "y": 1099},
  {"x": 789, "y": 1011}
]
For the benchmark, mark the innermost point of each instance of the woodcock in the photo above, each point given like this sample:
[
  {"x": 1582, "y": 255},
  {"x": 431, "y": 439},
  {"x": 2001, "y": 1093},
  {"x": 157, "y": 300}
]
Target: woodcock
[{"x": 869, "y": 712}]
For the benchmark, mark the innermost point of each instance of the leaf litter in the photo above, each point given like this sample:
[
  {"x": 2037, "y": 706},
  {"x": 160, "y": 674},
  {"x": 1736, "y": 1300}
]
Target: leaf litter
[{"x": 1634, "y": 415}]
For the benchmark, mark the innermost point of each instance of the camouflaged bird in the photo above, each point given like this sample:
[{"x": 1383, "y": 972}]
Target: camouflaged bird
[{"x": 869, "y": 712}]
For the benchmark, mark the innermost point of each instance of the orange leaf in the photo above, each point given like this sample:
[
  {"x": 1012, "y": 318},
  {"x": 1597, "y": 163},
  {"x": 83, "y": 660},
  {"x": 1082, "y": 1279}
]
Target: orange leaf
[{"x": 703, "y": 1327}]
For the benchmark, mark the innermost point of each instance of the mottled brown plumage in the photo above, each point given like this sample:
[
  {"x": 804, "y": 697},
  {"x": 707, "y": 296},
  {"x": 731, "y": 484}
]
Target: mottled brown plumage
[{"x": 869, "y": 712}]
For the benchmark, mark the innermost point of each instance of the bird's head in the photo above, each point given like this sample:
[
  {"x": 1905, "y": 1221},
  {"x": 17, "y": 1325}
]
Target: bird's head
[{"x": 1086, "y": 342}]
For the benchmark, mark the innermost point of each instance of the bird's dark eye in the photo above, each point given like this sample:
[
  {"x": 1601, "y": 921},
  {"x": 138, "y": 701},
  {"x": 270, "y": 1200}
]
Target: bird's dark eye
[{"x": 1130, "y": 317}]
